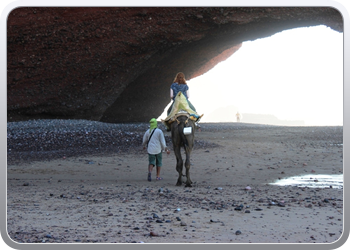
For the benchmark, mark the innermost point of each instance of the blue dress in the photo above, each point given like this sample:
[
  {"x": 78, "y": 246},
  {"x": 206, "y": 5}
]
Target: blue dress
[{"x": 179, "y": 87}]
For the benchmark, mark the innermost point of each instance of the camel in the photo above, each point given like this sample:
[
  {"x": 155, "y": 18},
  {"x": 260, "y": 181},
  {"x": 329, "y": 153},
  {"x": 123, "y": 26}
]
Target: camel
[
  {"x": 181, "y": 116},
  {"x": 180, "y": 140}
]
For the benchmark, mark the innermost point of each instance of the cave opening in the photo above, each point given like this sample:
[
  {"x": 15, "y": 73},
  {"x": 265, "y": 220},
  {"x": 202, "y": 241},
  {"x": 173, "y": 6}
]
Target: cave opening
[{"x": 294, "y": 77}]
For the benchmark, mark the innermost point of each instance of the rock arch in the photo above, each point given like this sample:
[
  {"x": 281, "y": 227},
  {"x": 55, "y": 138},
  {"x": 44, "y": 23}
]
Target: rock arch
[{"x": 115, "y": 64}]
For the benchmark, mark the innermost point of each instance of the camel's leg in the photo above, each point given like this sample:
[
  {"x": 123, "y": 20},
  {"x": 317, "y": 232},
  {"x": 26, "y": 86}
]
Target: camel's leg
[
  {"x": 179, "y": 165},
  {"x": 188, "y": 165}
]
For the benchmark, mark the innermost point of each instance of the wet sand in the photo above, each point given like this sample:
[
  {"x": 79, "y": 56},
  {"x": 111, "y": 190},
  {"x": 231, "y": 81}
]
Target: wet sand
[{"x": 106, "y": 198}]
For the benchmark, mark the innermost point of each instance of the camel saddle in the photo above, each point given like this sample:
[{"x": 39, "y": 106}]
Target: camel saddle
[{"x": 180, "y": 108}]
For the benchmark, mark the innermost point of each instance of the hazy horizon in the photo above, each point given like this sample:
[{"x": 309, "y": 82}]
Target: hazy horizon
[{"x": 294, "y": 75}]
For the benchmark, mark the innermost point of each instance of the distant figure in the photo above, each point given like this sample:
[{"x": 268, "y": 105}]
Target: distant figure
[{"x": 238, "y": 116}]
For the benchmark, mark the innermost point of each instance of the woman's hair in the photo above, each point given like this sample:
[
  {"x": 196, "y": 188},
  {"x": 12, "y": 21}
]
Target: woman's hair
[{"x": 180, "y": 78}]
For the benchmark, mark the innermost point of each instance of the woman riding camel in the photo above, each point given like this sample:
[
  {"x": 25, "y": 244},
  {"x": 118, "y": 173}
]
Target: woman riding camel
[
  {"x": 180, "y": 84},
  {"x": 179, "y": 93}
]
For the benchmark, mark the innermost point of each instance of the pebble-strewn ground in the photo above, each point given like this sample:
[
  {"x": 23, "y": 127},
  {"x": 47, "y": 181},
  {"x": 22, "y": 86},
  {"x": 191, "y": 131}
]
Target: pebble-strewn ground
[
  {"x": 52, "y": 139},
  {"x": 68, "y": 183}
]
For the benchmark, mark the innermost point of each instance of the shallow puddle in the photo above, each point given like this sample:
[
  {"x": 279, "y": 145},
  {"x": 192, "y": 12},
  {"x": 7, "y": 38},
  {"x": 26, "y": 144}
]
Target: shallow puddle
[{"x": 313, "y": 181}]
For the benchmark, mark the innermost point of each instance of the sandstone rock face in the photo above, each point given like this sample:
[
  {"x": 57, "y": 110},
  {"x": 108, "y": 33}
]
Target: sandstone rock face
[{"x": 116, "y": 64}]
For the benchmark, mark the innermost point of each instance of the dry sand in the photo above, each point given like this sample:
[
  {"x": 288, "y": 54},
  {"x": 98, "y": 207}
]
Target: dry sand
[{"x": 107, "y": 199}]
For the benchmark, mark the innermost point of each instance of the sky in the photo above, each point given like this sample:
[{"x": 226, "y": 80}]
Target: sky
[{"x": 296, "y": 74}]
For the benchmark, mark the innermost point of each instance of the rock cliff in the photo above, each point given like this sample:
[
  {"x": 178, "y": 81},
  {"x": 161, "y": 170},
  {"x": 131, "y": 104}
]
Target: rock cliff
[{"x": 116, "y": 64}]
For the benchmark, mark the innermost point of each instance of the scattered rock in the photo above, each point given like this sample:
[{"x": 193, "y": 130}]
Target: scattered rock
[
  {"x": 281, "y": 204},
  {"x": 153, "y": 234},
  {"x": 215, "y": 221}
]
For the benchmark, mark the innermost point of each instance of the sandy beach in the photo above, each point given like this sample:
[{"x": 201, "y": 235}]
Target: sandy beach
[{"x": 106, "y": 198}]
